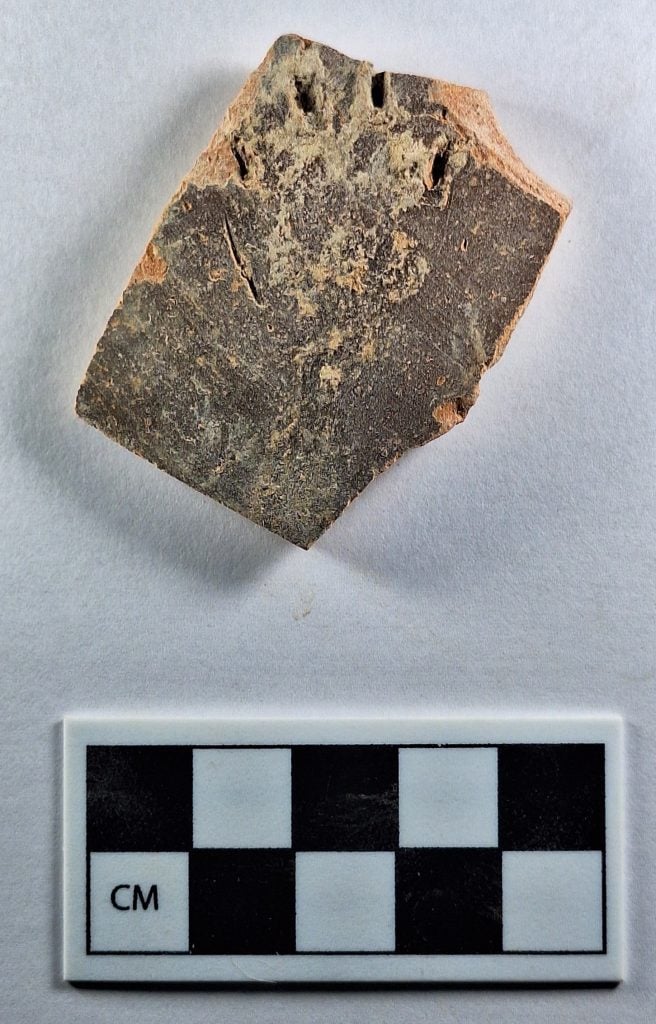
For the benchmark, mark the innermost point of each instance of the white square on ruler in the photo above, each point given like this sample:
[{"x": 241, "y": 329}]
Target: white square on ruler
[
  {"x": 448, "y": 797},
  {"x": 552, "y": 900},
  {"x": 345, "y": 901},
  {"x": 242, "y": 798},
  {"x": 139, "y": 902}
]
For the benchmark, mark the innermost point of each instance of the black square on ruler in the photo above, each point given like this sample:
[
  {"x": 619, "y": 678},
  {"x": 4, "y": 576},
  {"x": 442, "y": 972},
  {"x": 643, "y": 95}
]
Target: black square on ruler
[
  {"x": 551, "y": 796},
  {"x": 241, "y": 901},
  {"x": 139, "y": 798},
  {"x": 448, "y": 900},
  {"x": 345, "y": 798}
]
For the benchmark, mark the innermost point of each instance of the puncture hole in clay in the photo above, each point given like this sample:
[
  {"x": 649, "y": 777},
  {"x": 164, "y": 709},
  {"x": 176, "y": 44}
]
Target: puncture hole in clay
[
  {"x": 378, "y": 89},
  {"x": 238, "y": 153},
  {"x": 438, "y": 169},
  {"x": 305, "y": 96}
]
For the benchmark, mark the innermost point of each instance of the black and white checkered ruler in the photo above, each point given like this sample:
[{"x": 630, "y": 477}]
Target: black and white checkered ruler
[{"x": 444, "y": 850}]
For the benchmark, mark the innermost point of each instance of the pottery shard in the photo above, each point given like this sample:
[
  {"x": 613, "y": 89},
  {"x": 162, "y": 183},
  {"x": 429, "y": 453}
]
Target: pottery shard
[{"x": 346, "y": 258}]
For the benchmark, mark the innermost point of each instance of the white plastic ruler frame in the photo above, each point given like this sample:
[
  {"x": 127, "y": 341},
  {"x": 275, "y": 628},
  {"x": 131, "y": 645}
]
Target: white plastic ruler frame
[{"x": 473, "y": 850}]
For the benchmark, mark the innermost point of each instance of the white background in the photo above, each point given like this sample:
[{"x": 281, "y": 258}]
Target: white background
[{"x": 509, "y": 566}]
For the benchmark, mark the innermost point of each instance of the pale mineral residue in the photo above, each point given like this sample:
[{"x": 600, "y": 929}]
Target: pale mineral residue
[{"x": 330, "y": 376}]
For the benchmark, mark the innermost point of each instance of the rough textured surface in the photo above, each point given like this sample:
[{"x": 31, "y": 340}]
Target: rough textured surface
[{"x": 324, "y": 291}]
